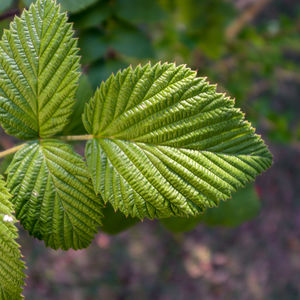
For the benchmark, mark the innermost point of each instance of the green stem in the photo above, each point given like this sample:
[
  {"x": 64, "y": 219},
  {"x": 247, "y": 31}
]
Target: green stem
[
  {"x": 69, "y": 138},
  {"x": 11, "y": 150}
]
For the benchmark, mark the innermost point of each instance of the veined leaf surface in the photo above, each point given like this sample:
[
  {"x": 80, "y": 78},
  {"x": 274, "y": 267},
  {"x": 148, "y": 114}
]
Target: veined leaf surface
[
  {"x": 11, "y": 266},
  {"x": 53, "y": 195},
  {"x": 167, "y": 144},
  {"x": 39, "y": 70}
]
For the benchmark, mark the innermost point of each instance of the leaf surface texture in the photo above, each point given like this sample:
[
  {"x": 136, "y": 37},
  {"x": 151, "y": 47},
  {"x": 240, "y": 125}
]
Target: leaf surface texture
[
  {"x": 11, "y": 265},
  {"x": 167, "y": 144},
  {"x": 39, "y": 70},
  {"x": 53, "y": 195}
]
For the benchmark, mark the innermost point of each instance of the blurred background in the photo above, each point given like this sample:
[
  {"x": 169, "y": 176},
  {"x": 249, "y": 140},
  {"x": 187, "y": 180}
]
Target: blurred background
[{"x": 251, "y": 48}]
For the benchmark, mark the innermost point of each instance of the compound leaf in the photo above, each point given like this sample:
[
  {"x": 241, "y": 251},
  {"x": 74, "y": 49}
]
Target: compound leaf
[
  {"x": 53, "y": 195},
  {"x": 11, "y": 266},
  {"x": 39, "y": 70},
  {"x": 167, "y": 144}
]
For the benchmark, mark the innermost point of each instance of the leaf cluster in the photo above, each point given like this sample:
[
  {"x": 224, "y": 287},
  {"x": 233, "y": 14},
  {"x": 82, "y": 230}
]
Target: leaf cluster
[{"x": 161, "y": 141}]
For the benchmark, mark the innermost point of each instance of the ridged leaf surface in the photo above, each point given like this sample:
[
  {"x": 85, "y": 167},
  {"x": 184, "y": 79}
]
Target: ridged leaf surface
[
  {"x": 11, "y": 266},
  {"x": 167, "y": 144},
  {"x": 38, "y": 72},
  {"x": 53, "y": 196}
]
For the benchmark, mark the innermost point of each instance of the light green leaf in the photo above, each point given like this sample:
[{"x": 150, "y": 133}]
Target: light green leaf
[
  {"x": 243, "y": 207},
  {"x": 11, "y": 266},
  {"x": 53, "y": 196},
  {"x": 166, "y": 144},
  {"x": 39, "y": 70}
]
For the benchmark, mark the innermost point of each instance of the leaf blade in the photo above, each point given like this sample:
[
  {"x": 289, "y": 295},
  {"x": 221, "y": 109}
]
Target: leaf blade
[
  {"x": 11, "y": 266},
  {"x": 53, "y": 196},
  {"x": 39, "y": 70},
  {"x": 170, "y": 141}
]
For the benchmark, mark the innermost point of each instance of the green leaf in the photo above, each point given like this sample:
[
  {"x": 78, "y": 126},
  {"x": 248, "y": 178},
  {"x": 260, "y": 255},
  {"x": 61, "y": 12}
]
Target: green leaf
[
  {"x": 4, "y": 5},
  {"x": 167, "y": 144},
  {"x": 83, "y": 94},
  {"x": 39, "y": 70},
  {"x": 53, "y": 196},
  {"x": 93, "y": 45},
  {"x": 103, "y": 69},
  {"x": 243, "y": 207},
  {"x": 114, "y": 222},
  {"x": 131, "y": 42},
  {"x": 11, "y": 267},
  {"x": 72, "y": 6},
  {"x": 92, "y": 17},
  {"x": 137, "y": 11},
  {"x": 180, "y": 224}
]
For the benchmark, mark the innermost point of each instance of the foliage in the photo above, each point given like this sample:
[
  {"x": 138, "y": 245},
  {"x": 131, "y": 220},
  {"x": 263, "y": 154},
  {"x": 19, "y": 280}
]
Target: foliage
[
  {"x": 165, "y": 143},
  {"x": 162, "y": 142},
  {"x": 53, "y": 197},
  {"x": 39, "y": 72},
  {"x": 11, "y": 267}
]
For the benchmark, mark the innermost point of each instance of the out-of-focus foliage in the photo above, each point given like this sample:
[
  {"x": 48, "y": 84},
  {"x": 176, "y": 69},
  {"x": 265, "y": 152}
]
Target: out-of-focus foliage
[
  {"x": 72, "y": 6},
  {"x": 114, "y": 222},
  {"x": 4, "y": 5},
  {"x": 244, "y": 205}
]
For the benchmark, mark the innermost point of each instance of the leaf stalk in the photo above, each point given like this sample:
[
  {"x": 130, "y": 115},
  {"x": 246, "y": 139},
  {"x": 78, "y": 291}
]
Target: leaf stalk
[{"x": 69, "y": 138}]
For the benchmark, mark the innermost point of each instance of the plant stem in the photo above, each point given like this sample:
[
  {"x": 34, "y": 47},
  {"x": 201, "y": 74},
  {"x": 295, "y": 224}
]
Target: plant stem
[
  {"x": 11, "y": 150},
  {"x": 71, "y": 138},
  {"x": 63, "y": 138}
]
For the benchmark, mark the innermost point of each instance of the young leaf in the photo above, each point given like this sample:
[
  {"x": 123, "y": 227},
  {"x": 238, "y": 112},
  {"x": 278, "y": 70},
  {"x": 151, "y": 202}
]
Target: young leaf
[
  {"x": 39, "y": 70},
  {"x": 53, "y": 196},
  {"x": 167, "y": 144},
  {"x": 11, "y": 266}
]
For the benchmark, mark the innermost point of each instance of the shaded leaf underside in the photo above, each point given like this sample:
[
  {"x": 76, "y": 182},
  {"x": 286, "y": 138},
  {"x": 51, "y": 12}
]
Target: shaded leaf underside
[
  {"x": 243, "y": 206},
  {"x": 166, "y": 143},
  {"x": 53, "y": 196}
]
